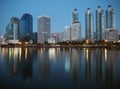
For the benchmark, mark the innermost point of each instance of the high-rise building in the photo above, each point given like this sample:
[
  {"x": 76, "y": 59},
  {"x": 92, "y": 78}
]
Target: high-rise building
[
  {"x": 43, "y": 29},
  {"x": 61, "y": 36},
  {"x": 12, "y": 31},
  {"x": 76, "y": 27},
  {"x": 15, "y": 23},
  {"x": 111, "y": 34},
  {"x": 26, "y": 27},
  {"x": 9, "y": 32},
  {"x": 75, "y": 17},
  {"x": 89, "y": 26},
  {"x": 99, "y": 24},
  {"x": 68, "y": 33},
  {"x": 76, "y": 32},
  {"x": 110, "y": 17}
]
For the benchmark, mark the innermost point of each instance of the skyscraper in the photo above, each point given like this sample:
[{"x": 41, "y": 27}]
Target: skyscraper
[
  {"x": 76, "y": 27},
  {"x": 9, "y": 32},
  {"x": 68, "y": 33},
  {"x": 26, "y": 27},
  {"x": 75, "y": 17},
  {"x": 99, "y": 24},
  {"x": 89, "y": 27},
  {"x": 110, "y": 17},
  {"x": 43, "y": 29},
  {"x": 15, "y": 23},
  {"x": 12, "y": 31}
]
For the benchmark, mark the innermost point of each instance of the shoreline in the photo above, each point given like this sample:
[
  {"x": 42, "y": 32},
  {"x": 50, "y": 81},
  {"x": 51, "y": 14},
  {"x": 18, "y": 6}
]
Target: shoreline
[{"x": 57, "y": 46}]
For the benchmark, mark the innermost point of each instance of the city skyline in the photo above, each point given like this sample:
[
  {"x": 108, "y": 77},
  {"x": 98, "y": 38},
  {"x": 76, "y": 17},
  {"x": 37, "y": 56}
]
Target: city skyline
[{"x": 58, "y": 11}]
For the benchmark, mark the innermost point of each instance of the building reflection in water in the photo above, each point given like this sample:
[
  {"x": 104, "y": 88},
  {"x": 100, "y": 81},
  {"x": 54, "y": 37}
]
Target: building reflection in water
[
  {"x": 100, "y": 66},
  {"x": 89, "y": 64},
  {"x": 67, "y": 61},
  {"x": 43, "y": 63},
  {"x": 74, "y": 64},
  {"x": 52, "y": 54},
  {"x": 81, "y": 66},
  {"x": 27, "y": 63},
  {"x": 19, "y": 61}
]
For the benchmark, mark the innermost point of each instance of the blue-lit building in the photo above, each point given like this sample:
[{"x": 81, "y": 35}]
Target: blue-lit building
[
  {"x": 12, "y": 31},
  {"x": 26, "y": 27},
  {"x": 100, "y": 24},
  {"x": 9, "y": 32},
  {"x": 110, "y": 17},
  {"x": 89, "y": 25},
  {"x": 75, "y": 16}
]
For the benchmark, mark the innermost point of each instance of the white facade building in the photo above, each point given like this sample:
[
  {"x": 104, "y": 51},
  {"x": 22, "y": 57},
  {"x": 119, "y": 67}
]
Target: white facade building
[
  {"x": 111, "y": 34},
  {"x": 68, "y": 33},
  {"x": 62, "y": 36},
  {"x": 76, "y": 32},
  {"x": 43, "y": 29}
]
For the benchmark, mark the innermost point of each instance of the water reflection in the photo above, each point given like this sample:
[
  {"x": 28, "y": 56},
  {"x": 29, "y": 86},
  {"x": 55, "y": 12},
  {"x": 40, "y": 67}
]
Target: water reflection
[
  {"x": 43, "y": 63},
  {"x": 66, "y": 67}
]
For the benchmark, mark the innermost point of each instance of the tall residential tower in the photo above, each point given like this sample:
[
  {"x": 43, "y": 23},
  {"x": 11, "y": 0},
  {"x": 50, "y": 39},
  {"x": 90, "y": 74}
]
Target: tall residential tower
[
  {"x": 100, "y": 24},
  {"x": 89, "y": 27},
  {"x": 111, "y": 32},
  {"x": 110, "y": 17},
  {"x": 43, "y": 29},
  {"x": 76, "y": 27}
]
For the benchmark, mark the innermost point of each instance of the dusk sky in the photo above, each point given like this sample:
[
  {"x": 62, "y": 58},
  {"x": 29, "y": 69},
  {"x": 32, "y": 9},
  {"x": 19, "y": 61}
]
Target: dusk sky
[{"x": 58, "y": 10}]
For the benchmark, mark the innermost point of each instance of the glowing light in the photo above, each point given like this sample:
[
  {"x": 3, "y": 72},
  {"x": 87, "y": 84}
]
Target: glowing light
[
  {"x": 87, "y": 55},
  {"x": 26, "y": 43},
  {"x": 19, "y": 42},
  {"x": 41, "y": 51},
  {"x": 52, "y": 54},
  {"x": 105, "y": 54},
  {"x": 20, "y": 54},
  {"x": 10, "y": 53},
  {"x": 87, "y": 41},
  {"x": 15, "y": 52},
  {"x": 106, "y": 40}
]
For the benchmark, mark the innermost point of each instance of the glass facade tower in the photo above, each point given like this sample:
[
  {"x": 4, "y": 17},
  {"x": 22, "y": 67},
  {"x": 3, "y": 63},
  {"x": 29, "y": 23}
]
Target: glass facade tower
[
  {"x": 12, "y": 30},
  {"x": 99, "y": 23},
  {"x": 89, "y": 27},
  {"x": 110, "y": 17},
  {"x": 9, "y": 32},
  {"x": 75, "y": 17},
  {"x": 26, "y": 27},
  {"x": 15, "y": 23},
  {"x": 76, "y": 27}
]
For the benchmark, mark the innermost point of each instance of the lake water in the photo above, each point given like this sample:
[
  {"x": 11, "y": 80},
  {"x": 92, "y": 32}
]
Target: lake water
[{"x": 59, "y": 68}]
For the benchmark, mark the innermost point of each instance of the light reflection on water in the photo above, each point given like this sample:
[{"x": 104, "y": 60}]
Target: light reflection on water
[{"x": 59, "y": 68}]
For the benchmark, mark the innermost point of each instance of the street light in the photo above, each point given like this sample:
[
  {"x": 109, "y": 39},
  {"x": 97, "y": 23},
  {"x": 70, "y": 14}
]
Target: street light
[{"x": 87, "y": 41}]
